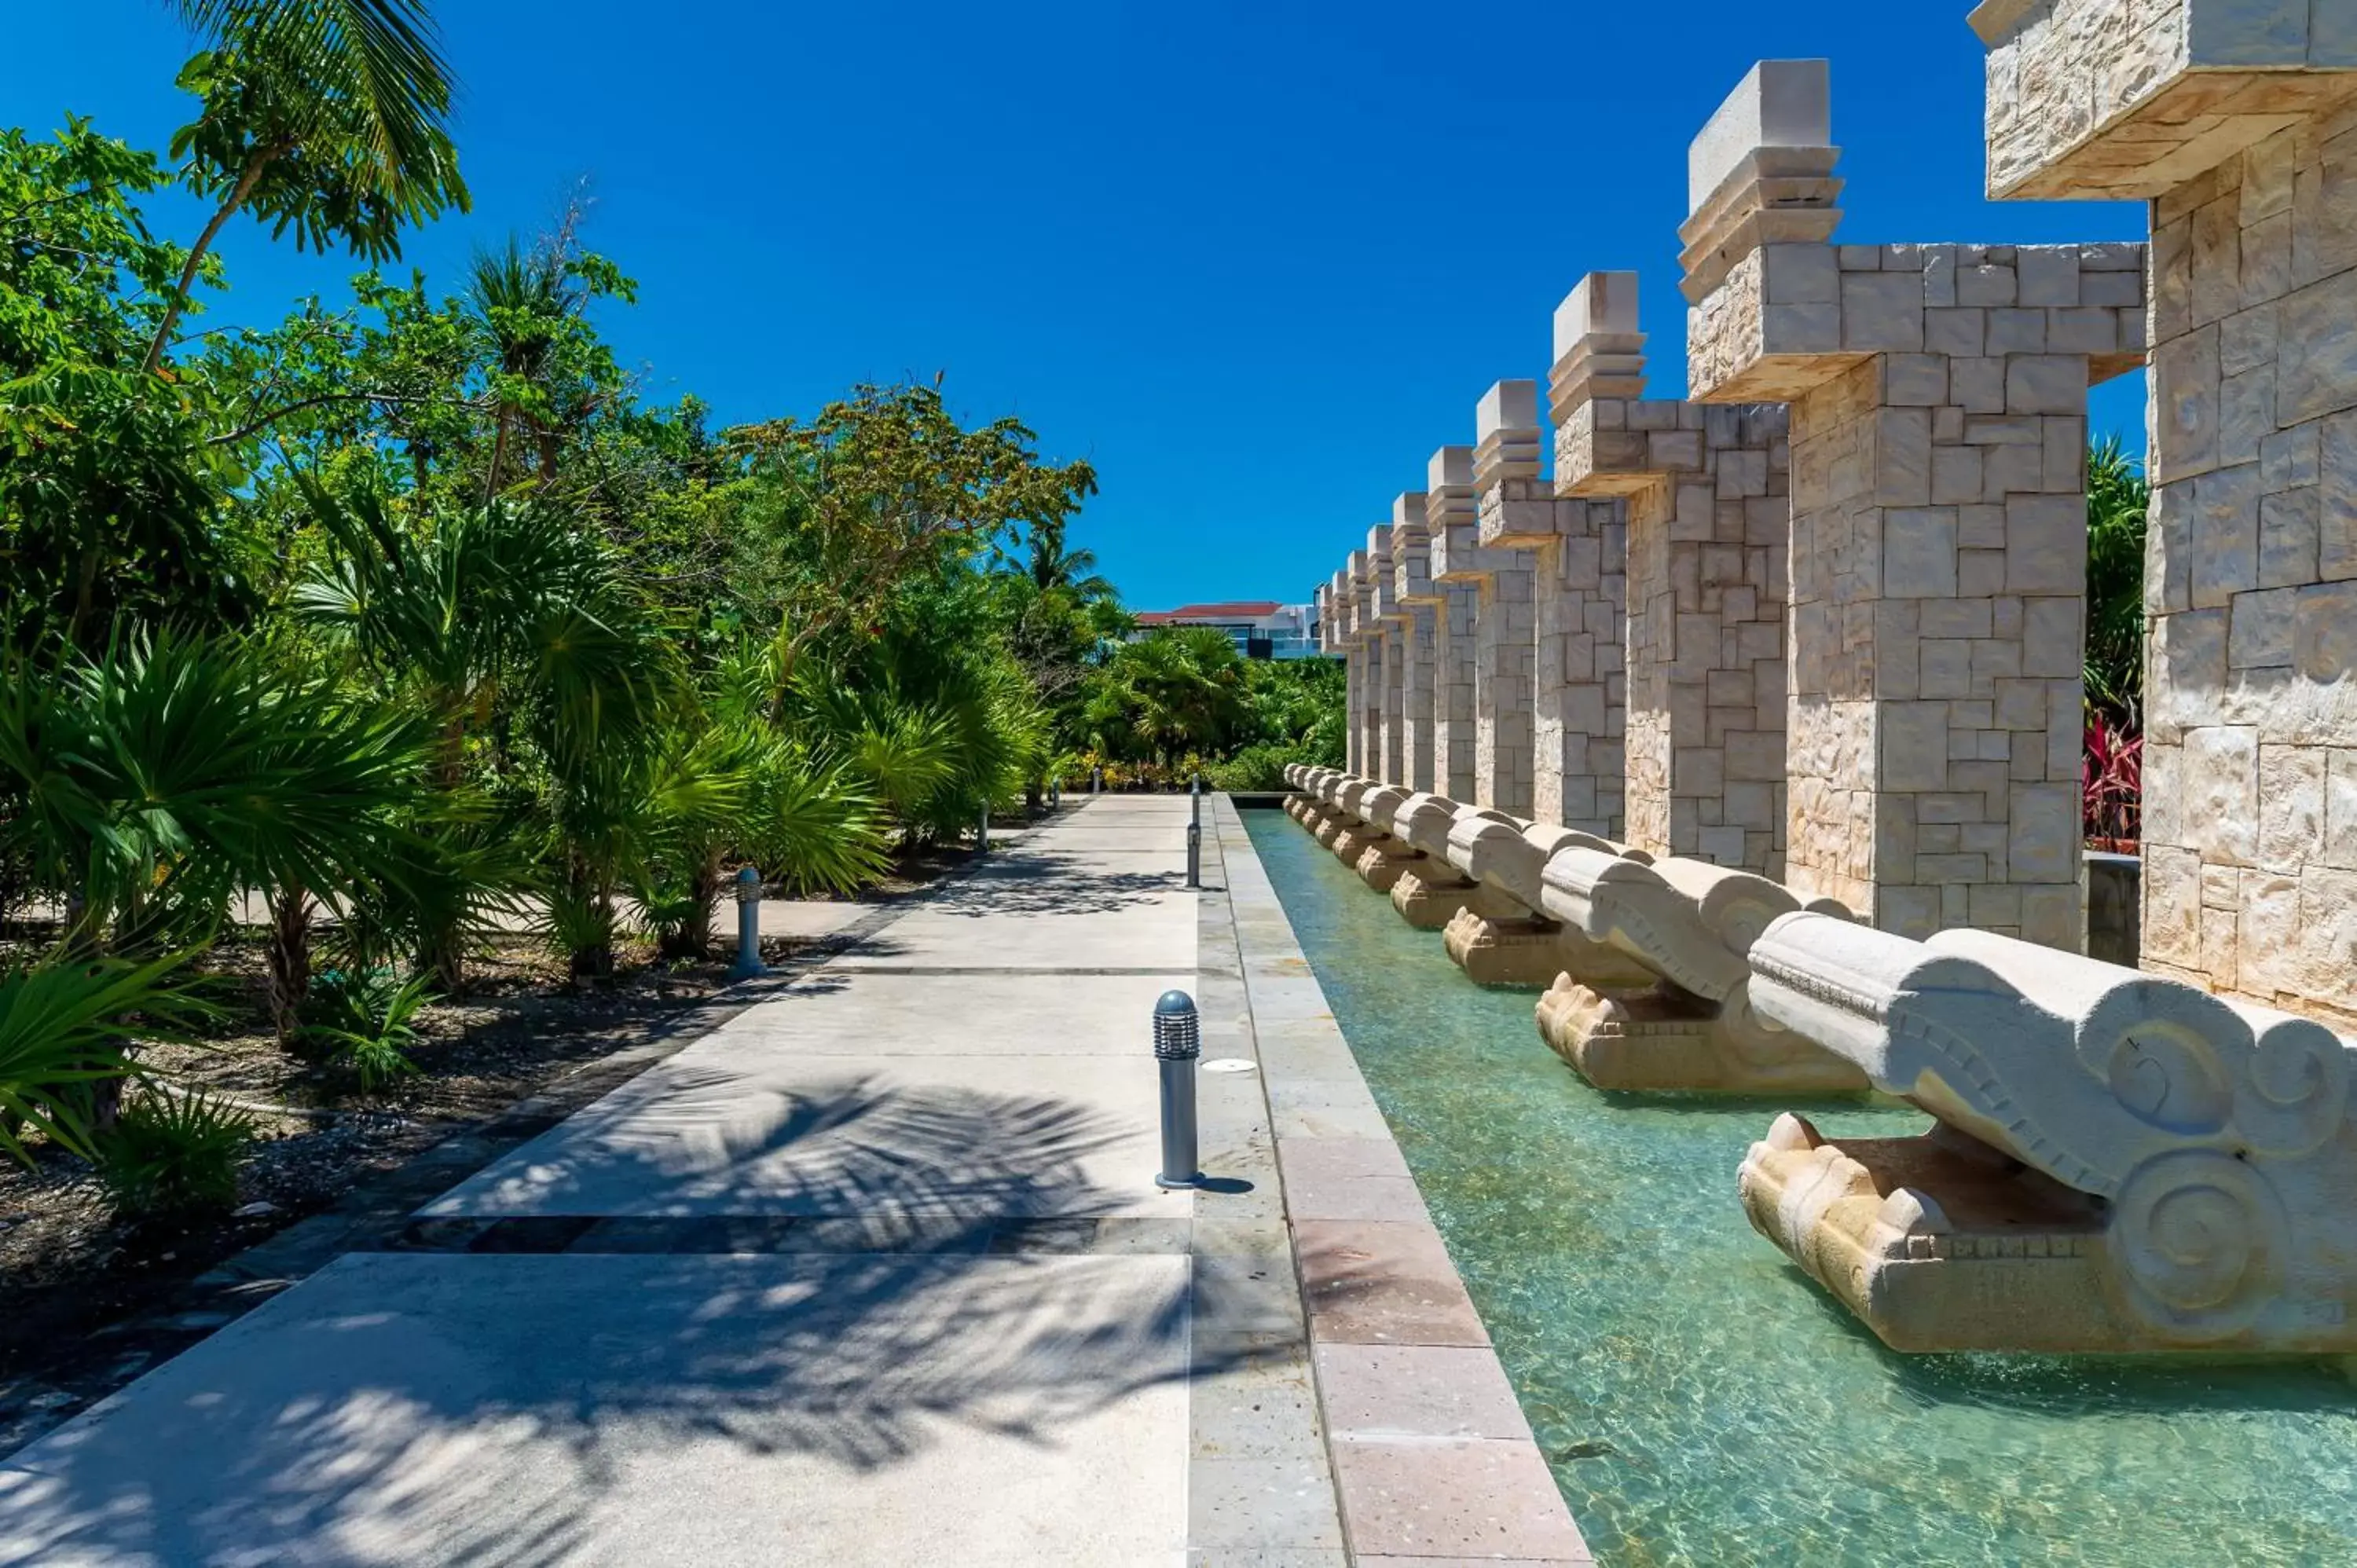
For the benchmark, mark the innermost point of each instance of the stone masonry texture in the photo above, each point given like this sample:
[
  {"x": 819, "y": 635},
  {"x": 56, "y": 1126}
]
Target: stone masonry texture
[
  {"x": 1938, "y": 427},
  {"x": 1419, "y": 600},
  {"x": 2240, "y": 123},
  {"x": 1574, "y": 552},
  {"x": 1708, "y": 520}
]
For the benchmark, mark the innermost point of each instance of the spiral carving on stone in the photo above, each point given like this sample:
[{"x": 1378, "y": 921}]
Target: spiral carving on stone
[
  {"x": 2197, "y": 1244},
  {"x": 2293, "y": 1091},
  {"x": 2169, "y": 1076}
]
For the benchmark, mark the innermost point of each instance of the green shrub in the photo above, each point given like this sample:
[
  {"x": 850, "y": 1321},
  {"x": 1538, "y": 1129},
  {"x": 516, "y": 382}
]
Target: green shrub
[
  {"x": 173, "y": 1156},
  {"x": 360, "y": 1018},
  {"x": 1255, "y": 767}
]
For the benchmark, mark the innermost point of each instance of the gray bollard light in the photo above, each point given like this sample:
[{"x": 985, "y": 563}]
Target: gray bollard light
[
  {"x": 1178, "y": 1044},
  {"x": 982, "y": 835},
  {"x": 1096, "y": 780},
  {"x": 1055, "y": 794},
  {"x": 1195, "y": 798},
  {"x": 748, "y": 962}
]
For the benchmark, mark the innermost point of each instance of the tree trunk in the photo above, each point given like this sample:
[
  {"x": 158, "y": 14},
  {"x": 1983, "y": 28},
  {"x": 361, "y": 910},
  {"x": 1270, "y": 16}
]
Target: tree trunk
[
  {"x": 694, "y": 937},
  {"x": 290, "y": 958},
  {"x": 180, "y": 300}
]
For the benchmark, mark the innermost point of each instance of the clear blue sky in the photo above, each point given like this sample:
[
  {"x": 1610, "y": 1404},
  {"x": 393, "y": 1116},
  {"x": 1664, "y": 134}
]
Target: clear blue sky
[{"x": 1253, "y": 260}]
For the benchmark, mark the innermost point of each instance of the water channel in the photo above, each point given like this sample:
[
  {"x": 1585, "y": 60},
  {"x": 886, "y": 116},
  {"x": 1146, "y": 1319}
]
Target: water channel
[{"x": 1700, "y": 1401}]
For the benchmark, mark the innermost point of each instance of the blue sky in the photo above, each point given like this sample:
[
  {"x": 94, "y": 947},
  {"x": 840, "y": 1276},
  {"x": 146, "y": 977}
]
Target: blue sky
[{"x": 1253, "y": 260}]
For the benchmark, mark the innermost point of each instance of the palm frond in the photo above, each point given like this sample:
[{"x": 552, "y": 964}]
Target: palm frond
[{"x": 388, "y": 51}]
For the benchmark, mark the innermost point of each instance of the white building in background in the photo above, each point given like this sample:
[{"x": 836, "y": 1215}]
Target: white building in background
[{"x": 1261, "y": 628}]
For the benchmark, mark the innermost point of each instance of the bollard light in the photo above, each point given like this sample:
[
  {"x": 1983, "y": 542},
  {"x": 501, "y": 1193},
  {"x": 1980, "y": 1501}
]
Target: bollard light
[
  {"x": 1096, "y": 780},
  {"x": 1178, "y": 1044},
  {"x": 1195, "y": 799},
  {"x": 1194, "y": 854},
  {"x": 1055, "y": 794},
  {"x": 748, "y": 927},
  {"x": 981, "y": 834}
]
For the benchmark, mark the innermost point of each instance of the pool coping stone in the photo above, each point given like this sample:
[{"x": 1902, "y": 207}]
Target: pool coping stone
[{"x": 1432, "y": 1457}]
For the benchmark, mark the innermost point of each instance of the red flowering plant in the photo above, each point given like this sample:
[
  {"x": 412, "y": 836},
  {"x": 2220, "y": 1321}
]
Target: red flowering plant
[{"x": 2111, "y": 784}]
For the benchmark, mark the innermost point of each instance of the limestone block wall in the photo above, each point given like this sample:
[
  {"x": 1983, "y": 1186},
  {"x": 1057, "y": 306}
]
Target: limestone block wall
[
  {"x": 1938, "y": 437},
  {"x": 1708, "y": 521},
  {"x": 1452, "y": 661},
  {"x": 2240, "y": 123},
  {"x": 1579, "y": 693},
  {"x": 1502, "y": 627},
  {"x": 1575, "y": 552},
  {"x": 1417, "y": 596},
  {"x": 1378, "y": 608}
]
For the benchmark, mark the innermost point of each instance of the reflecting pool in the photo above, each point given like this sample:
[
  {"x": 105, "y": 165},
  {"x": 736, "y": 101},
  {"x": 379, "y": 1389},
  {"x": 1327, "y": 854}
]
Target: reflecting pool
[{"x": 1700, "y": 1400}]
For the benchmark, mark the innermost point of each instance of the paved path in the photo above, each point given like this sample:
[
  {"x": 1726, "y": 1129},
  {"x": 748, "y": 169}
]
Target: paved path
[{"x": 875, "y": 1273}]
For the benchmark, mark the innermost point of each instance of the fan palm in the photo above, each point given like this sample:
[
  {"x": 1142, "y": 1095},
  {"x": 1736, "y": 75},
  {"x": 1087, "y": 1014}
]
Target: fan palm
[
  {"x": 156, "y": 780},
  {"x": 65, "y": 1028}
]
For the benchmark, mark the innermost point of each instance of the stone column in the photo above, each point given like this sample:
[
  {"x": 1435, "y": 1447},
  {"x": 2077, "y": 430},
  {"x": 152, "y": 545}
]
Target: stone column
[
  {"x": 2239, "y": 124},
  {"x": 1504, "y": 631},
  {"x": 1502, "y": 636},
  {"x": 1379, "y": 608},
  {"x": 1577, "y": 551},
  {"x": 1710, "y": 522},
  {"x": 1367, "y": 636},
  {"x": 1340, "y": 638},
  {"x": 1939, "y": 397},
  {"x": 1448, "y": 502},
  {"x": 1414, "y": 598}
]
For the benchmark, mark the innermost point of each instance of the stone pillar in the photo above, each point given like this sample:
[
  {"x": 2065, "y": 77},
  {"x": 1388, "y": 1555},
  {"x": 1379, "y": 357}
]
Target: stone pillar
[
  {"x": 1367, "y": 636},
  {"x": 1939, "y": 398},
  {"x": 1340, "y": 638},
  {"x": 1708, "y": 521},
  {"x": 1501, "y": 636},
  {"x": 1413, "y": 598},
  {"x": 1448, "y": 502},
  {"x": 1379, "y": 603},
  {"x": 1502, "y": 629},
  {"x": 1576, "y": 552},
  {"x": 2239, "y": 124}
]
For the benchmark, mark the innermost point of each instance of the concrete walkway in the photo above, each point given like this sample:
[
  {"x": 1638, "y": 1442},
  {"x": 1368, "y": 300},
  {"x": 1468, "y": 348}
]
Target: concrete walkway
[{"x": 875, "y": 1273}]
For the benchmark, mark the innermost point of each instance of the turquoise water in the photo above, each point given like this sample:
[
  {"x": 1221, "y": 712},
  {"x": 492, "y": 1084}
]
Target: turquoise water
[{"x": 1700, "y": 1400}]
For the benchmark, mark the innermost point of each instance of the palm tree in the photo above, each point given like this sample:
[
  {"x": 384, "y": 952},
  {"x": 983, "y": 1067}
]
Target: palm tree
[
  {"x": 326, "y": 116},
  {"x": 1054, "y": 567},
  {"x": 504, "y": 619},
  {"x": 518, "y": 299},
  {"x": 159, "y": 778}
]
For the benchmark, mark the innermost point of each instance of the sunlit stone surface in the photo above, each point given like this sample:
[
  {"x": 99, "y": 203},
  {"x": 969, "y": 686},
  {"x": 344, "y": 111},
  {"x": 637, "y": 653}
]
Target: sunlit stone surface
[
  {"x": 1692, "y": 925},
  {"x": 1502, "y": 937},
  {"x": 2123, "y": 1162}
]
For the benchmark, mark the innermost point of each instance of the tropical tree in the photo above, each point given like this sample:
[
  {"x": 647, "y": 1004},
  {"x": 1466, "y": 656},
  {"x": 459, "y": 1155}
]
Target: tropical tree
[
  {"x": 326, "y": 117},
  {"x": 1177, "y": 691},
  {"x": 508, "y": 630},
  {"x": 148, "y": 786},
  {"x": 110, "y": 488}
]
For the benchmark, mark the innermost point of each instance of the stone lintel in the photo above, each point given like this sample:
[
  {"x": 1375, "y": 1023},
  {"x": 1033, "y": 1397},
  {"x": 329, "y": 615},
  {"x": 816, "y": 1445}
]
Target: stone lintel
[
  {"x": 1789, "y": 318},
  {"x": 2095, "y": 98}
]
